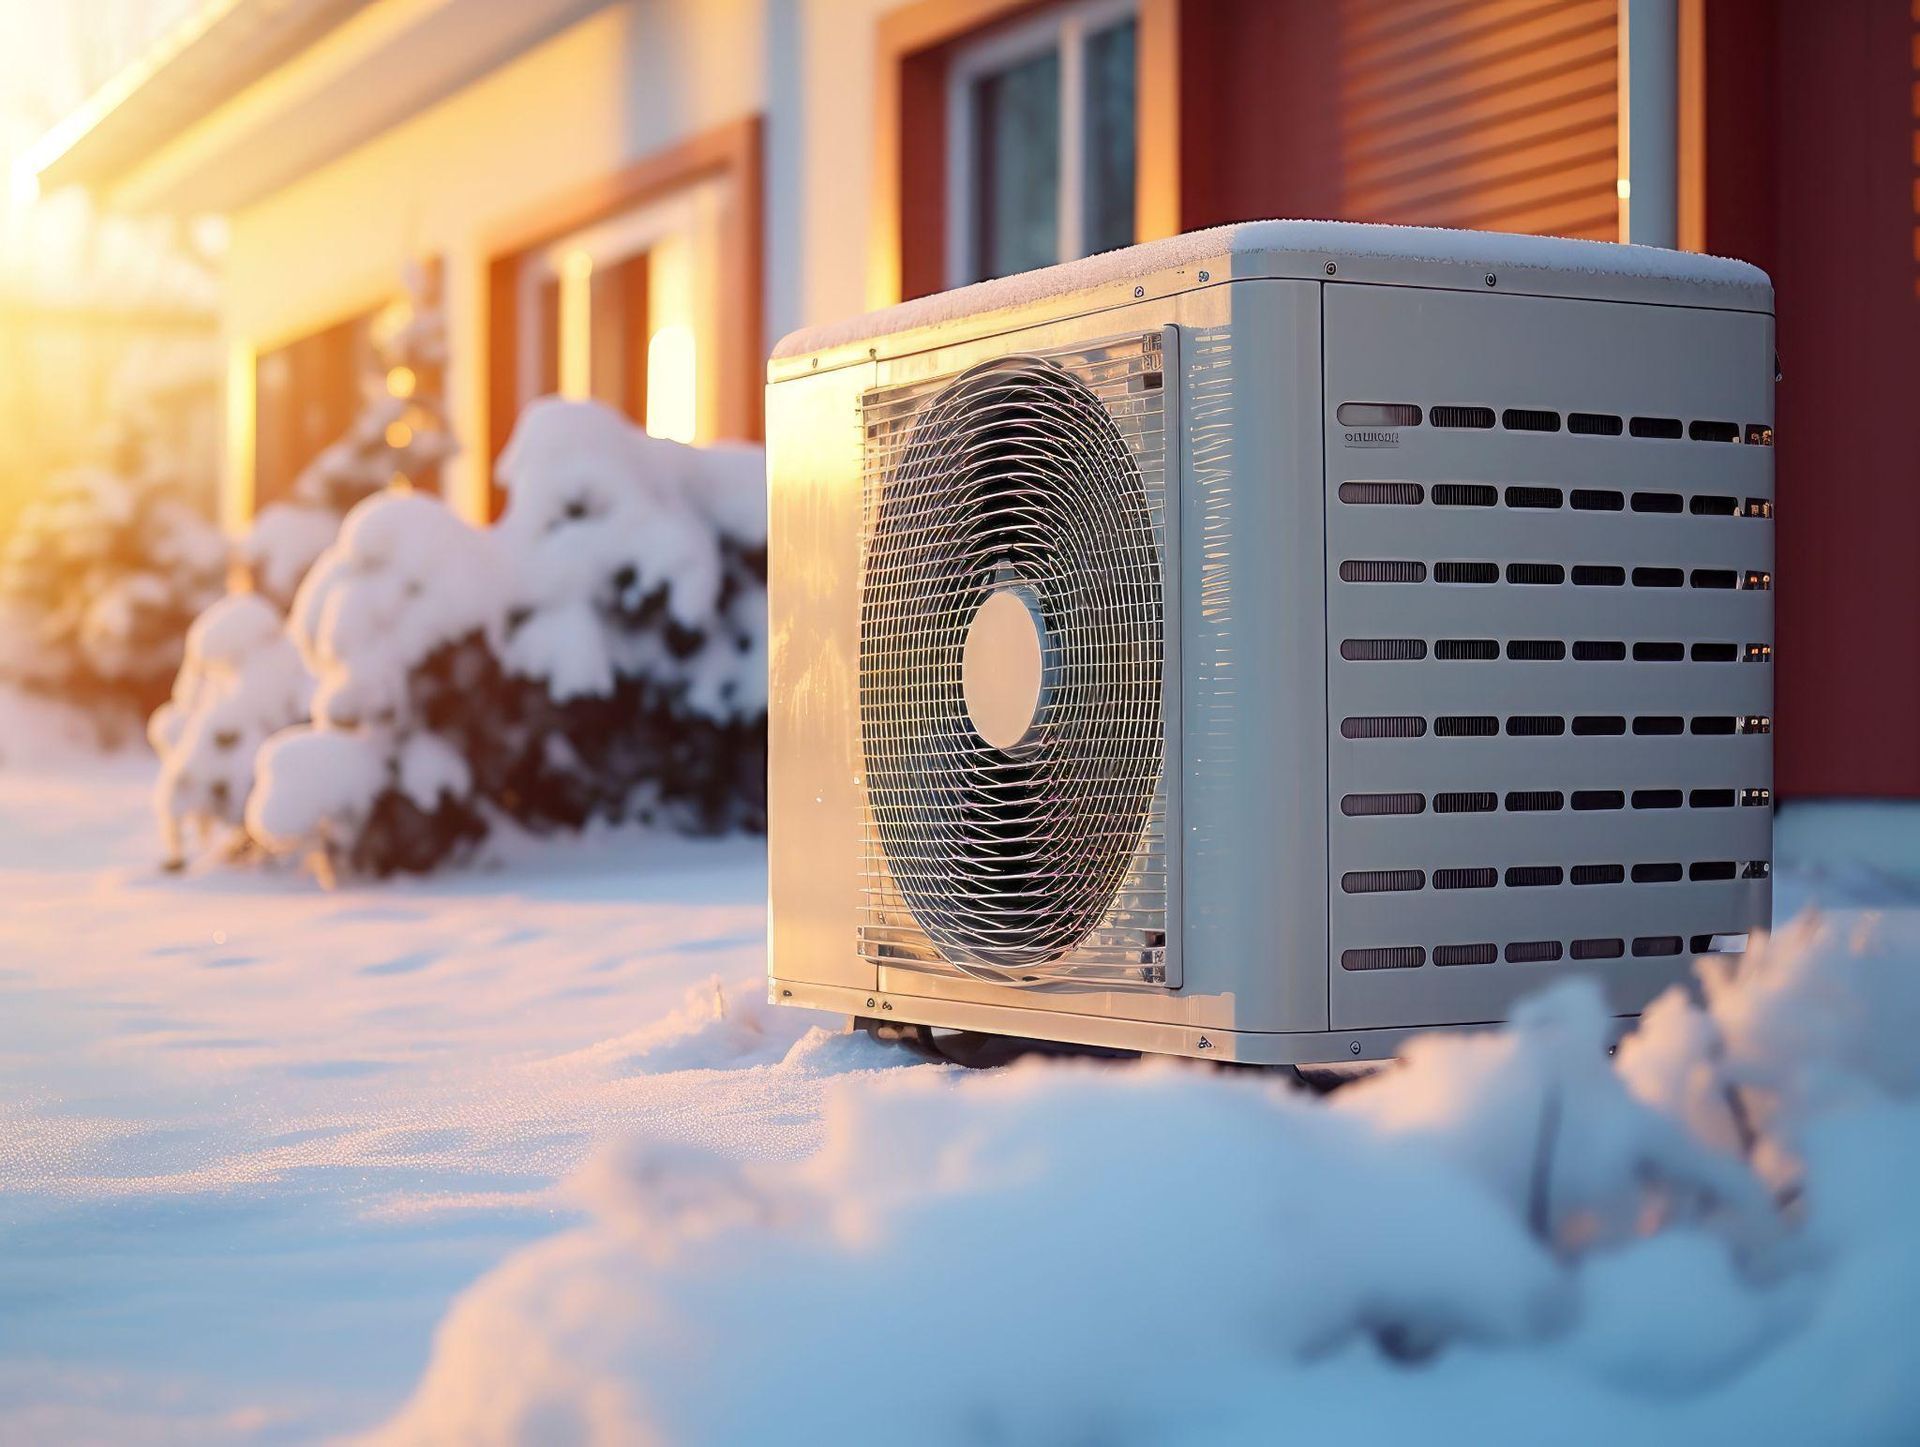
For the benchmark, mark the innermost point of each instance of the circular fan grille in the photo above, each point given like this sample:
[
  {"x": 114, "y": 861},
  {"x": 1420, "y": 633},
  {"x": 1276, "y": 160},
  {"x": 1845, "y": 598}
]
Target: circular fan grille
[{"x": 1013, "y": 478}]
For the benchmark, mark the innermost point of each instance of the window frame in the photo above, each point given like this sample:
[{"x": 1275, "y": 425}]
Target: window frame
[
  {"x": 734, "y": 151},
  {"x": 1064, "y": 29}
]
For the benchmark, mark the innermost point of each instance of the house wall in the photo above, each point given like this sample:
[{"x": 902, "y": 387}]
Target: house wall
[
  {"x": 614, "y": 87},
  {"x": 1813, "y": 172}
]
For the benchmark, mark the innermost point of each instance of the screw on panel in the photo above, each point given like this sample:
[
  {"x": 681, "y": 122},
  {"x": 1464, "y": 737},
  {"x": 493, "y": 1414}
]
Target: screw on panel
[
  {"x": 1331, "y": 268},
  {"x": 1354, "y": 1049},
  {"x": 886, "y": 1004},
  {"x": 1203, "y": 1043},
  {"x": 869, "y": 1002},
  {"x": 1492, "y": 279},
  {"x": 1139, "y": 291},
  {"x": 786, "y": 994},
  {"x": 1206, "y": 276}
]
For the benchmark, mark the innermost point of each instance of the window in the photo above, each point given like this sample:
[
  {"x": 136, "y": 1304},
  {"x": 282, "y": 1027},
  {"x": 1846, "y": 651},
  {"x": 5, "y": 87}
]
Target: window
[
  {"x": 641, "y": 288},
  {"x": 626, "y": 311},
  {"x": 1040, "y": 141},
  {"x": 306, "y": 394}
]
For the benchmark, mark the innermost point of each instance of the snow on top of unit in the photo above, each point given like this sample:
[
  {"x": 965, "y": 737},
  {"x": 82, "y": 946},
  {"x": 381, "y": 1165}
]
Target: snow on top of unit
[{"x": 1334, "y": 239}]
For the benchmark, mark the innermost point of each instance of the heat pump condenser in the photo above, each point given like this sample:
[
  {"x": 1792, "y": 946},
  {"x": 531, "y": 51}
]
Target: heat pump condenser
[{"x": 1266, "y": 643}]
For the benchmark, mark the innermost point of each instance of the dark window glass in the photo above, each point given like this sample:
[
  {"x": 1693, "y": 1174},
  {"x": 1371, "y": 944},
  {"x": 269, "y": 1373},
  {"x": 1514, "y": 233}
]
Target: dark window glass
[
  {"x": 1017, "y": 156},
  {"x": 1108, "y": 209}
]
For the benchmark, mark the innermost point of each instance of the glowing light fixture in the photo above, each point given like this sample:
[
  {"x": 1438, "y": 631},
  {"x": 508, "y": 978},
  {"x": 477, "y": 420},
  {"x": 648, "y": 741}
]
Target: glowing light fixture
[{"x": 672, "y": 385}]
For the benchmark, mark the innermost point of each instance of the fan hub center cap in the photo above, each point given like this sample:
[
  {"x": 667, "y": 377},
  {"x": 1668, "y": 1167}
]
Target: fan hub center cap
[{"x": 1003, "y": 666}]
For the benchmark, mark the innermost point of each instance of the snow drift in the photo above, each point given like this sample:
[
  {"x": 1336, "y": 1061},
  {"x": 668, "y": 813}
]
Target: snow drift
[{"x": 1506, "y": 1237}]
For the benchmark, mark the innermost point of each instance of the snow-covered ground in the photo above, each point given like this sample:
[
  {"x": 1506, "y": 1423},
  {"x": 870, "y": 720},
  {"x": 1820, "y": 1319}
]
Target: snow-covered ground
[{"x": 518, "y": 1153}]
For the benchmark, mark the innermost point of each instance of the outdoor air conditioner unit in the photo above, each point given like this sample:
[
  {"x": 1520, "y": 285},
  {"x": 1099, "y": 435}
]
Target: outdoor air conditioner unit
[{"x": 1266, "y": 643}]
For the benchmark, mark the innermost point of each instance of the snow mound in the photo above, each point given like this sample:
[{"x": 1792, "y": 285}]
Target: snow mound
[
  {"x": 1506, "y": 1237},
  {"x": 717, "y": 1027}
]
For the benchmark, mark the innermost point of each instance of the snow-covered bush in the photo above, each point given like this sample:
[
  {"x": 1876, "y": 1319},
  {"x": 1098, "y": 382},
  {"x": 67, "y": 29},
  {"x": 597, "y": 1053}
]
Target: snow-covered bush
[
  {"x": 99, "y": 579},
  {"x": 1506, "y": 1238},
  {"x": 368, "y": 785},
  {"x": 242, "y": 680},
  {"x": 600, "y": 654}
]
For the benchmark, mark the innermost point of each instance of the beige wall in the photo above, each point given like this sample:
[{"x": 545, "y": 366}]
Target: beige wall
[{"x": 624, "y": 82}]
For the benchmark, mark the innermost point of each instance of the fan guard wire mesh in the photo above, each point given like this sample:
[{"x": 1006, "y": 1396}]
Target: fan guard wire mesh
[{"x": 1014, "y": 475}]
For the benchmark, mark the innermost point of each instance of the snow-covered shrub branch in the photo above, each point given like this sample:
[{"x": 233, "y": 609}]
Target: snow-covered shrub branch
[
  {"x": 1505, "y": 1238},
  {"x": 600, "y": 654}
]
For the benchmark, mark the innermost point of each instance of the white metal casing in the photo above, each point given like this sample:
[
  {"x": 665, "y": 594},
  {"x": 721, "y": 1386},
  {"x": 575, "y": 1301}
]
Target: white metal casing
[{"x": 1274, "y": 779}]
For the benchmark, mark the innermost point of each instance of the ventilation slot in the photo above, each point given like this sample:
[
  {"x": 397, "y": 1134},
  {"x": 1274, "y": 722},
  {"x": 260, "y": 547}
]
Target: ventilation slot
[
  {"x": 1658, "y": 577},
  {"x": 1535, "y": 801},
  {"x": 1529, "y": 876},
  {"x": 1655, "y": 945},
  {"x": 1540, "y": 497},
  {"x": 1465, "y": 878},
  {"x": 1658, "y": 653},
  {"x": 1536, "y": 650},
  {"x": 1716, "y": 652},
  {"x": 1468, "y": 650},
  {"x": 1713, "y": 431},
  {"x": 1370, "y": 806},
  {"x": 1532, "y": 952},
  {"x": 1464, "y": 494},
  {"x": 1713, "y": 724},
  {"x": 1465, "y": 954},
  {"x": 1460, "y": 416},
  {"x": 1398, "y": 957},
  {"x": 1656, "y": 873},
  {"x": 1536, "y": 726},
  {"x": 1466, "y": 726},
  {"x": 1382, "y": 881},
  {"x": 1656, "y": 502},
  {"x": 1378, "y": 414},
  {"x": 1395, "y": 494},
  {"x": 1464, "y": 803},
  {"x": 1589, "y": 499},
  {"x": 1707, "y": 506},
  {"x": 1658, "y": 725},
  {"x": 1382, "y": 571},
  {"x": 1727, "y": 944},
  {"x": 1707, "y": 871},
  {"x": 1384, "y": 726},
  {"x": 1713, "y": 577},
  {"x": 1466, "y": 572},
  {"x": 1599, "y": 949},
  {"x": 1594, "y": 650},
  {"x": 1548, "y": 573},
  {"x": 1664, "y": 427},
  {"x": 1593, "y": 424},
  {"x": 1588, "y": 801},
  {"x": 1383, "y": 650},
  {"x": 1710, "y": 799},
  {"x": 1598, "y": 874},
  {"x": 1598, "y": 725},
  {"x": 1529, "y": 419},
  {"x": 1656, "y": 798},
  {"x": 1598, "y": 575}
]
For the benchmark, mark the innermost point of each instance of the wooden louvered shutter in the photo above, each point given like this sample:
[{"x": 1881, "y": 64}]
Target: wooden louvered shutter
[{"x": 1494, "y": 114}]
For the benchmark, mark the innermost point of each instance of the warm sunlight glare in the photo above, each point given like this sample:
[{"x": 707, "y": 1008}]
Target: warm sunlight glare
[
  {"x": 398, "y": 435},
  {"x": 576, "y": 326},
  {"x": 401, "y": 382},
  {"x": 672, "y": 401}
]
